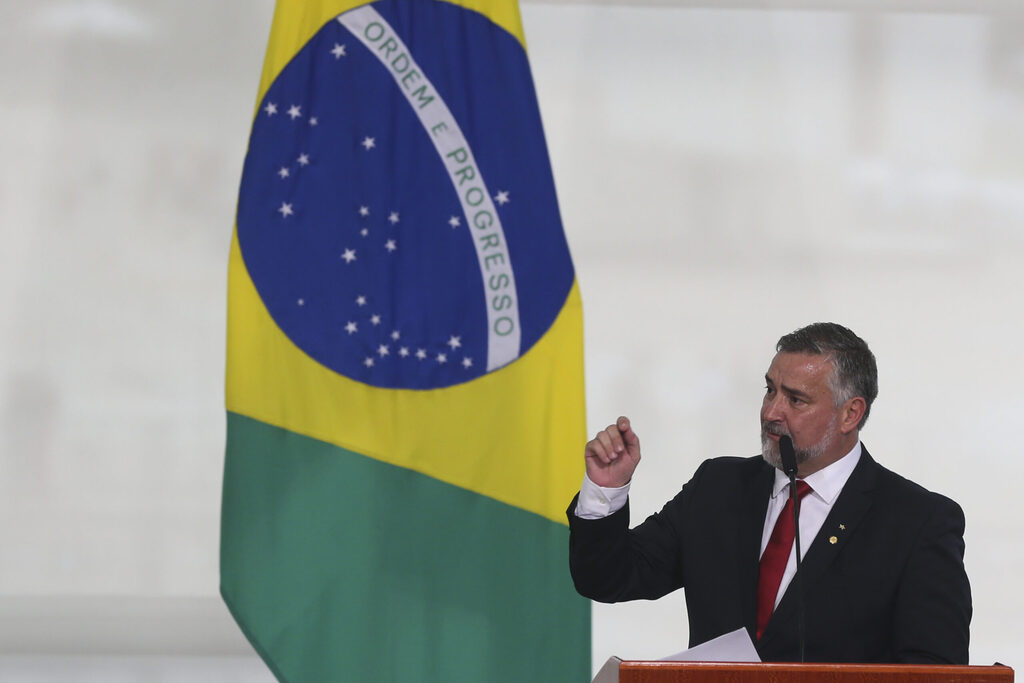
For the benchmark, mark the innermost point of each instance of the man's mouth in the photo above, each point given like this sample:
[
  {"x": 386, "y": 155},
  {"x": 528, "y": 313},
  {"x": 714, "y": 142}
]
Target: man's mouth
[{"x": 772, "y": 431}]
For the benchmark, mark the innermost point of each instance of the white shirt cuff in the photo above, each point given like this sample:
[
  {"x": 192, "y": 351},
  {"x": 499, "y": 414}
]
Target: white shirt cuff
[{"x": 597, "y": 502}]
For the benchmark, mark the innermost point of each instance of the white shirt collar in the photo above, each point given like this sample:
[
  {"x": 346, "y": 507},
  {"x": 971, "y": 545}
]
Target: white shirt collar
[{"x": 826, "y": 482}]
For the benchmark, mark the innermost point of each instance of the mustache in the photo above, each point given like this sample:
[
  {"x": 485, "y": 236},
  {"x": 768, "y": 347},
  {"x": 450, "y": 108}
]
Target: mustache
[{"x": 773, "y": 428}]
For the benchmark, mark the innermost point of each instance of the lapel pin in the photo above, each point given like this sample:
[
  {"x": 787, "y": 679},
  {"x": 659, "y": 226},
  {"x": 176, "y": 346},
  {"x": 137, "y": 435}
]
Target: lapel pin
[
  {"x": 833, "y": 540},
  {"x": 842, "y": 527}
]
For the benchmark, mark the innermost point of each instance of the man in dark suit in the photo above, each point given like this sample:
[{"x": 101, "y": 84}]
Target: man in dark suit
[{"x": 883, "y": 577}]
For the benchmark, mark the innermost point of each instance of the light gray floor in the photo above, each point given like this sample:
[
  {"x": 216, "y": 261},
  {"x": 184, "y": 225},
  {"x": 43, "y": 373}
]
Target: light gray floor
[{"x": 135, "y": 669}]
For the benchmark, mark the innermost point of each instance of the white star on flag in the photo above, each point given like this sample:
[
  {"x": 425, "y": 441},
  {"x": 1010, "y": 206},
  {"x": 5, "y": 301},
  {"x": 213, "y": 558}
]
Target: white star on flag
[
  {"x": 383, "y": 350},
  {"x": 393, "y": 217},
  {"x": 421, "y": 353},
  {"x": 351, "y": 327},
  {"x": 303, "y": 159},
  {"x": 313, "y": 120},
  {"x": 375, "y": 319},
  {"x": 285, "y": 210},
  {"x": 369, "y": 143},
  {"x": 301, "y": 302},
  {"x": 294, "y": 111},
  {"x": 442, "y": 358},
  {"x": 349, "y": 255},
  {"x": 395, "y": 335},
  {"x": 364, "y": 211},
  {"x": 390, "y": 245},
  {"x": 502, "y": 198},
  {"x": 284, "y": 172},
  {"x": 368, "y": 362},
  {"x": 338, "y": 51},
  {"x": 271, "y": 108},
  {"x": 454, "y": 221},
  {"x": 467, "y": 362},
  {"x": 360, "y": 300},
  {"x": 454, "y": 342},
  {"x": 364, "y": 232},
  {"x": 404, "y": 351}
]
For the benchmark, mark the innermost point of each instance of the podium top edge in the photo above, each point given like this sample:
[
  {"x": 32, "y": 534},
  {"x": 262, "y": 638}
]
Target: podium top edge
[{"x": 822, "y": 666}]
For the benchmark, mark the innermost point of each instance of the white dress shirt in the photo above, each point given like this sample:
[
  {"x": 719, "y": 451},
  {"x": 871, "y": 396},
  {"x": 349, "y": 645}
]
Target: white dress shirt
[
  {"x": 596, "y": 502},
  {"x": 826, "y": 485}
]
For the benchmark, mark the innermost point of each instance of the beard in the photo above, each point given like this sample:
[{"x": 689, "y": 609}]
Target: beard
[{"x": 770, "y": 449}]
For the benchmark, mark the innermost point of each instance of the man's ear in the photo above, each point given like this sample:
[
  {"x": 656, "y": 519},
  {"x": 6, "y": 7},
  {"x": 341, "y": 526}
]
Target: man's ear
[{"x": 851, "y": 414}]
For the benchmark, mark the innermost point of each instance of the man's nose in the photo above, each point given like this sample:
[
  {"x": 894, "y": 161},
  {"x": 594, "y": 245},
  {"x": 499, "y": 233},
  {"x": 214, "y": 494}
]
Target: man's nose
[{"x": 772, "y": 411}]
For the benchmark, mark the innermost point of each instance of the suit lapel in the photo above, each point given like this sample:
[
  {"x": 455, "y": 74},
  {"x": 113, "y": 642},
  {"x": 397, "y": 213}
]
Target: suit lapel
[
  {"x": 758, "y": 491},
  {"x": 854, "y": 501}
]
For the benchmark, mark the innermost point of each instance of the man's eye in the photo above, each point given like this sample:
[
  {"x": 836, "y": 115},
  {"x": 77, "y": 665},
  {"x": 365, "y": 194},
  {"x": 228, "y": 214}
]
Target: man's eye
[{"x": 795, "y": 400}]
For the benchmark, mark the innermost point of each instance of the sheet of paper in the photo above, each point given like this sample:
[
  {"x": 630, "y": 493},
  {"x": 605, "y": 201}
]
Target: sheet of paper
[
  {"x": 609, "y": 673},
  {"x": 732, "y": 647}
]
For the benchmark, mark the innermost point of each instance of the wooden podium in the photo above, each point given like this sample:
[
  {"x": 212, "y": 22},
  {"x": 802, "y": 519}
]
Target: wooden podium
[{"x": 713, "y": 672}]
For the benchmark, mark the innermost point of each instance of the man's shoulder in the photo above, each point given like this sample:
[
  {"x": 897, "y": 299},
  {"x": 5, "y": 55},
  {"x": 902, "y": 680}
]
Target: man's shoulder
[
  {"x": 903, "y": 492},
  {"x": 733, "y": 467},
  {"x": 736, "y": 463}
]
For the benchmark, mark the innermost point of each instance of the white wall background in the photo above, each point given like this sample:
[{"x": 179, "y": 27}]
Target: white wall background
[{"x": 725, "y": 175}]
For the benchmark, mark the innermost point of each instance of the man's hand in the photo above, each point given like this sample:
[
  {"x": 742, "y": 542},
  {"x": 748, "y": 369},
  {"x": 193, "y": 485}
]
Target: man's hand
[{"x": 613, "y": 455}]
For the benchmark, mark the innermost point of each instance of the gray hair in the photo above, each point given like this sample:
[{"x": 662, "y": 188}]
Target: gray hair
[{"x": 854, "y": 372}]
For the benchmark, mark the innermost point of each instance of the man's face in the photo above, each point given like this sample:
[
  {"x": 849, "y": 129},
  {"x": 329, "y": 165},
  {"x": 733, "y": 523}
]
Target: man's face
[{"x": 798, "y": 402}]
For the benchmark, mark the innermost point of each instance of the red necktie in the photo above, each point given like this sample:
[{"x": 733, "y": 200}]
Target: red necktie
[{"x": 775, "y": 558}]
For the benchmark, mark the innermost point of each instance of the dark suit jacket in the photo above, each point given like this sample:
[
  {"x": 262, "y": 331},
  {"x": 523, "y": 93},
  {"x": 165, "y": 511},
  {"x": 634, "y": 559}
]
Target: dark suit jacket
[{"x": 890, "y": 588}]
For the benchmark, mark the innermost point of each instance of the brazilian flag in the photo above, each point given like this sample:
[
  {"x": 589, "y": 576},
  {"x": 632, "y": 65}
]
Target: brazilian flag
[{"x": 404, "y": 370}]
